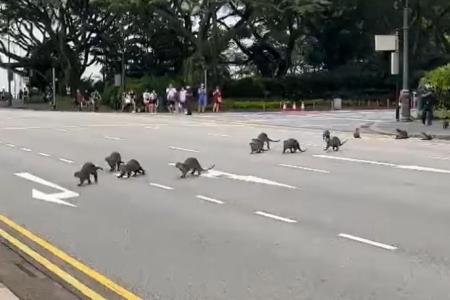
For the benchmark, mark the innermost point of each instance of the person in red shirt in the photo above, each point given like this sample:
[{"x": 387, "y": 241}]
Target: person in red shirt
[{"x": 217, "y": 97}]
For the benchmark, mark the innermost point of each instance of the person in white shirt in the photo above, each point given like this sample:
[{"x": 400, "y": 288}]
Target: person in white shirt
[
  {"x": 146, "y": 99},
  {"x": 182, "y": 98},
  {"x": 171, "y": 94}
]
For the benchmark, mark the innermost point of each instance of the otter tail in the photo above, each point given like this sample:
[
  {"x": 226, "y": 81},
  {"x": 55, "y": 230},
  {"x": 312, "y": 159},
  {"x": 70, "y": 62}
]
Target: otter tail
[
  {"x": 274, "y": 141},
  {"x": 210, "y": 168},
  {"x": 343, "y": 142}
]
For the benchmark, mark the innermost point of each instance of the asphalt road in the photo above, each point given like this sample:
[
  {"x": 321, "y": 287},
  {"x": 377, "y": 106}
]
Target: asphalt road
[{"x": 368, "y": 222}]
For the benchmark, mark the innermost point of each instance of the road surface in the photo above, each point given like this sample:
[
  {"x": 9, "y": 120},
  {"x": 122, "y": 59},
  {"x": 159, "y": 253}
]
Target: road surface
[{"x": 367, "y": 222}]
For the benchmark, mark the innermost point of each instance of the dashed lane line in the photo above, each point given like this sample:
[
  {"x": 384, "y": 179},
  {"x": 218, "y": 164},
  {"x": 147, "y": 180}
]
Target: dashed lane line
[
  {"x": 305, "y": 169},
  {"x": 275, "y": 217},
  {"x": 208, "y": 199},
  {"x": 183, "y": 149},
  {"x": 11, "y": 145},
  {"x": 66, "y": 160},
  {"x": 112, "y": 138},
  {"x": 366, "y": 241},
  {"x": 26, "y": 149},
  {"x": 44, "y": 154},
  {"x": 161, "y": 186}
]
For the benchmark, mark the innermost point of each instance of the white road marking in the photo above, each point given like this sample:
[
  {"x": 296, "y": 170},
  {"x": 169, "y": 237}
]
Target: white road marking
[
  {"x": 247, "y": 178},
  {"x": 366, "y": 241},
  {"x": 55, "y": 197},
  {"x": 212, "y": 200},
  {"x": 113, "y": 138},
  {"x": 44, "y": 154},
  {"x": 25, "y": 149},
  {"x": 66, "y": 160},
  {"x": 183, "y": 149},
  {"x": 164, "y": 187},
  {"x": 218, "y": 134},
  {"x": 171, "y": 164},
  {"x": 441, "y": 158},
  {"x": 61, "y": 130},
  {"x": 385, "y": 164},
  {"x": 275, "y": 217},
  {"x": 304, "y": 168},
  {"x": 11, "y": 145}
]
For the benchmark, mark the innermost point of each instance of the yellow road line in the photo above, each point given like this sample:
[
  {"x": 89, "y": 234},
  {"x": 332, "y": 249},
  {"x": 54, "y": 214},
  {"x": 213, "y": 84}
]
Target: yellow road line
[
  {"x": 52, "y": 267},
  {"x": 72, "y": 261}
]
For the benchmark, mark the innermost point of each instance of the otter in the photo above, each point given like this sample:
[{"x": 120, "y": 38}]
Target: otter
[
  {"x": 357, "y": 134},
  {"x": 191, "y": 164},
  {"x": 426, "y": 137},
  {"x": 326, "y": 135},
  {"x": 293, "y": 145},
  {"x": 85, "y": 173},
  {"x": 256, "y": 146},
  {"x": 334, "y": 143},
  {"x": 131, "y": 166},
  {"x": 445, "y": 124},
  {"x": 265, "y": 139},
  {"x": 401, "y": 134},
  {"x": 114, "y": 161}
]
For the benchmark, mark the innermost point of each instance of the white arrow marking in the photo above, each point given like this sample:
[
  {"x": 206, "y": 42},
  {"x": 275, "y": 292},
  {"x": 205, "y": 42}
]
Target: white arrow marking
[{"x": 55, "y": 197}]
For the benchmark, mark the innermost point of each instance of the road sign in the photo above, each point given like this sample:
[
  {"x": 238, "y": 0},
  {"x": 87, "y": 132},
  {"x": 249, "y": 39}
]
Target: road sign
[{"x": 386, "y": 43}]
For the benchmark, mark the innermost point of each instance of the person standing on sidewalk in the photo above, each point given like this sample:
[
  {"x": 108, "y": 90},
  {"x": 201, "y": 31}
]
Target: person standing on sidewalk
[
  {"x": 202, "y": 99},
  {"x": 217, "y": 97},
  {"x": 428, "y": 102}
]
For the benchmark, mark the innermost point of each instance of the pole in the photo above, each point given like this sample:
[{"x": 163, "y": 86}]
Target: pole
[
  {"x": 54, "y": 87},
  {"x": 9, "y": 68},
  {"x": 206, "y": 84},
  {"x": 406, "y": 105}
]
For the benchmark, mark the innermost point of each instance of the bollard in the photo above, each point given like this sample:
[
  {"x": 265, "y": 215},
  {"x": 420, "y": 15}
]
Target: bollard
[
  {"x": 303, "y": 106},
  {"x": 294, "y": 106}
]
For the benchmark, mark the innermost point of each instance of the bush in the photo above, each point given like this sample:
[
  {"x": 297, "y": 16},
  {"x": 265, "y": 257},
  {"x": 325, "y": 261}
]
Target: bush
[{"x": 439, "y": 79}]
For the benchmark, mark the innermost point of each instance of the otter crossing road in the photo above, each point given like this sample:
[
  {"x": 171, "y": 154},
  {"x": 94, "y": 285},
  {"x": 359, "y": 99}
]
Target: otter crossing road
[{"x": 367, "y": 222}]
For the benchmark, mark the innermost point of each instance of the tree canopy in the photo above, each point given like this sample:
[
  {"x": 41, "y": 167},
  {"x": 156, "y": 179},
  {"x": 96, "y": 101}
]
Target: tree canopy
[{"x": 268, "y": 38}]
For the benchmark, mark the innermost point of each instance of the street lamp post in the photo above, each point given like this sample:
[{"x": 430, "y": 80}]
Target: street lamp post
[{"x": 406, "y": 104}]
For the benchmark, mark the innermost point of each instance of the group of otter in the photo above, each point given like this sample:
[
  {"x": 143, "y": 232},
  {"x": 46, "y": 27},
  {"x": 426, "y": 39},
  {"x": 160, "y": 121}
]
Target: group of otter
[
  {"x": 257, "y": 144},
  {"x": 133, "y": 168}
]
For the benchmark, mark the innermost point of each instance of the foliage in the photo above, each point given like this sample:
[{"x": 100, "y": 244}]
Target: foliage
[{"x": 439, "y": 79}]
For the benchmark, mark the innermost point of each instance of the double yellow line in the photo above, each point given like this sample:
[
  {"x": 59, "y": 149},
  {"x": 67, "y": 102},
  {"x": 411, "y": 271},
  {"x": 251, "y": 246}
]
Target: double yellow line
[{"x": 103, "y": 280}]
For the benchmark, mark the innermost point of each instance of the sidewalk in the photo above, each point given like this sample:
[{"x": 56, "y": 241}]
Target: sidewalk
[
  {"x": 414, "y": 129},
  {"x": 21, "y": 280}
]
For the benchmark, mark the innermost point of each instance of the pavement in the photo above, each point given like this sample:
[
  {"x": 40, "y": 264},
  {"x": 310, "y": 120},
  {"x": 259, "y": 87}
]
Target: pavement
[{"x": 367, "y": 222}]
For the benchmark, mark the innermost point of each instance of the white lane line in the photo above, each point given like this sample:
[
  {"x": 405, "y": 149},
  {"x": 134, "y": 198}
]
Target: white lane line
[
  {"x": 218, "y": 135},
  {"x": 385, "y": 164},
  {"x": 11, "y": 145},
  {"x": 61, "y": 130},
  {"x": 25, "y": 149},
  {"x": 44, "y": 154},
  {"x": 441, "y": 158},
  {"x": 164, "y": 187},
  {"x": 113, "y": 138},
  {"x": 66, "y": 160},
  {"x": 275, "y": 217},
  {"x": 183, "y": 149},
  {"x": 212, "y": 200},
  {"x": 366, "y": 241},
  {"x": 171, "y": 164},
  {"x": 305, "y": 169}
]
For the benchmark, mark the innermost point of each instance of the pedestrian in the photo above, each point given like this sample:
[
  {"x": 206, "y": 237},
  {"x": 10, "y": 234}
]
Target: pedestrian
[
  {"x": 202, "y": 98},
  {"x": 428, "y": 102},
  {"x": 79, "y": 100},
  {"x": 217, "y": 97},
  {"x": 146, "y": 100},
  {"x": 182, "y": 100},
  {"x": 189, "y": 100},
  {"x": 171, "y": 94},
  {"x": 153, "y": 101}
]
